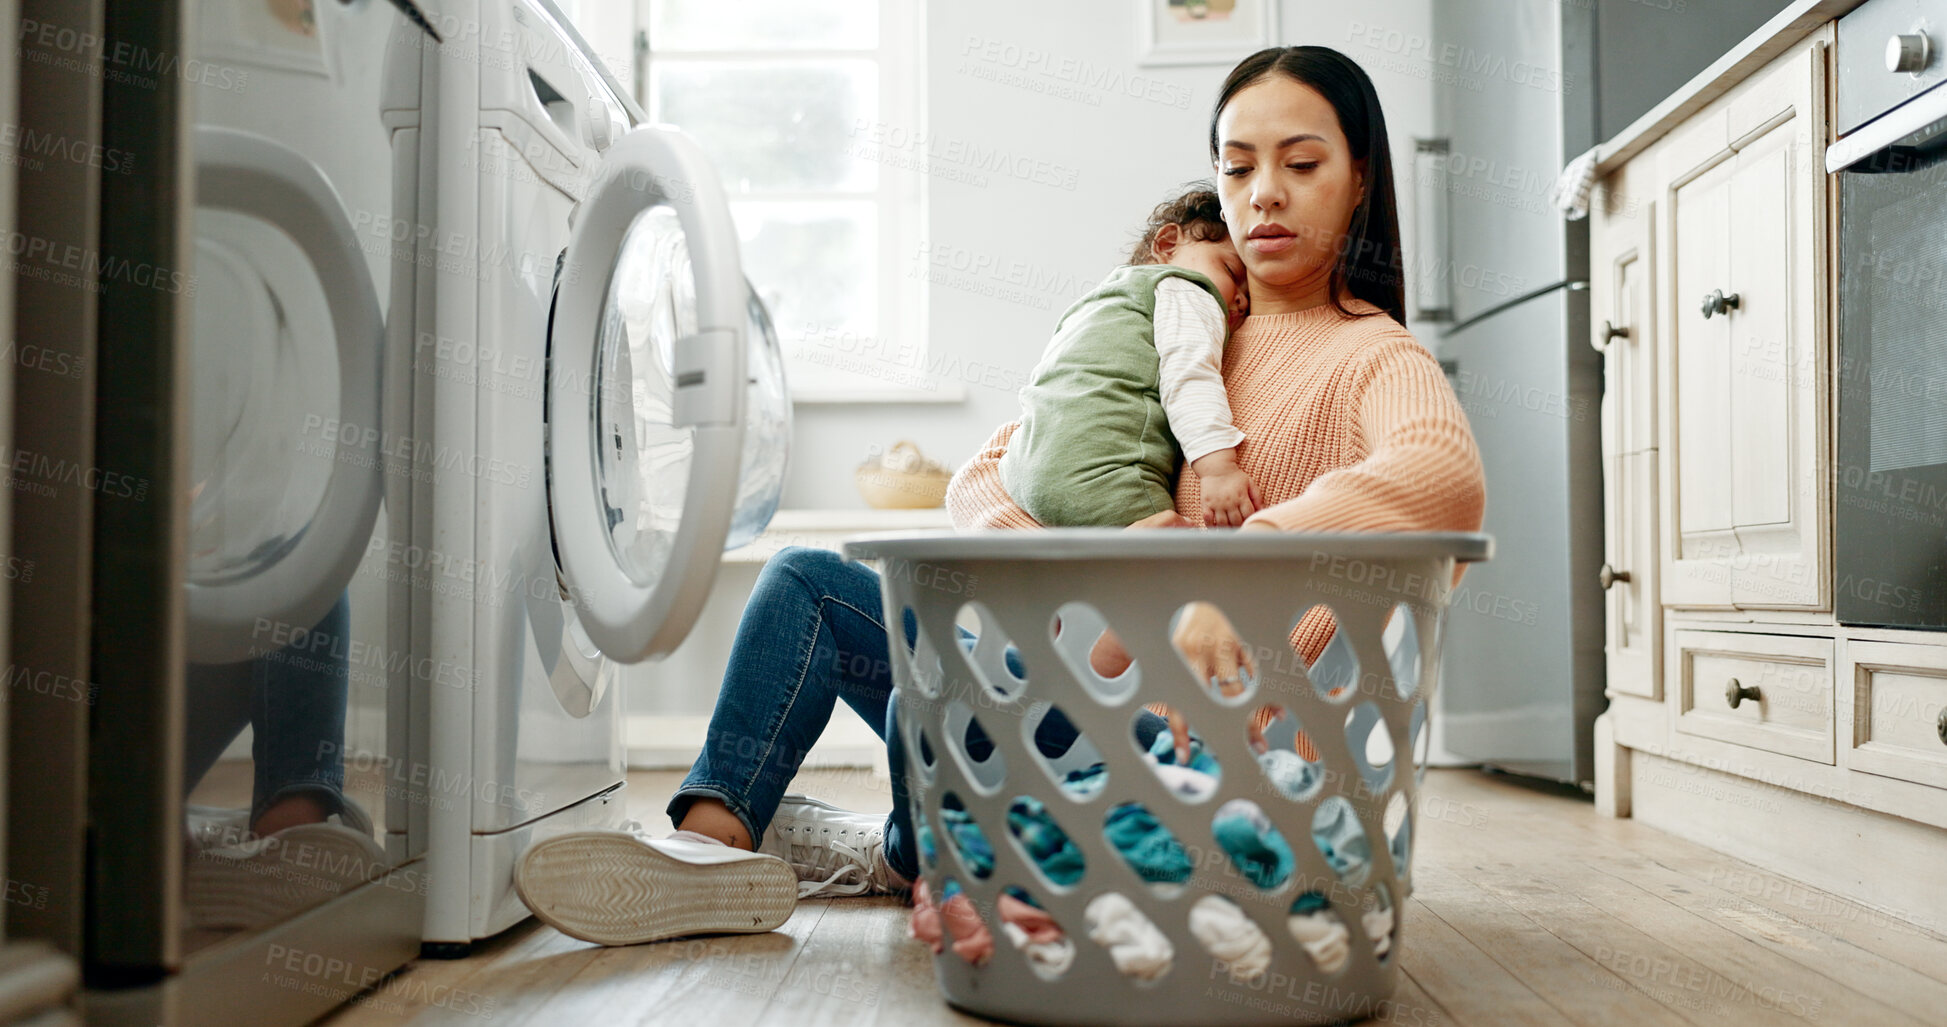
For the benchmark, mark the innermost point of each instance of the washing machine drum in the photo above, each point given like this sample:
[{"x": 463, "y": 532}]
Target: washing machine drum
[
  {"x": 669, "y": 423},
  {"x": 285, "y": 469}
]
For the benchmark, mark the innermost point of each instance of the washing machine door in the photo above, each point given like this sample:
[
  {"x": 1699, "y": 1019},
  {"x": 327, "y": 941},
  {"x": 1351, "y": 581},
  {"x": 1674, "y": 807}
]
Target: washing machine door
[
  {"x": 654, "y": 397},
  {"x": 286, "y": 457}
]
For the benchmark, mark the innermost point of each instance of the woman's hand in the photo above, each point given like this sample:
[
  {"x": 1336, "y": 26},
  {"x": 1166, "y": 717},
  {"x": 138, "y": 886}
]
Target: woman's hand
[
  {"x": 1214, "y": 652},
  {"x": 1211, "y": 647}
]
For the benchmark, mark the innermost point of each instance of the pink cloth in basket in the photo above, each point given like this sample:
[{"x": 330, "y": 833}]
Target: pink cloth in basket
[{"x": 972, "y": 941}]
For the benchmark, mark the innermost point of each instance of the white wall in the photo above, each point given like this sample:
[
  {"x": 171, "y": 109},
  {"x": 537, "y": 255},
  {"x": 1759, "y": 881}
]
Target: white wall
[{"x": 1059, "y": 86}]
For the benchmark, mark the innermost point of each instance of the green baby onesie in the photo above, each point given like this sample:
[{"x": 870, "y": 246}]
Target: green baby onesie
[{"x": 1094, "y": 448}]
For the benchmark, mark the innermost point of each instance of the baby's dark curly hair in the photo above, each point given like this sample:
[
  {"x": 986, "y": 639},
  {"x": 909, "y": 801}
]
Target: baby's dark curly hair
[{"x": 1197, "y": 211}]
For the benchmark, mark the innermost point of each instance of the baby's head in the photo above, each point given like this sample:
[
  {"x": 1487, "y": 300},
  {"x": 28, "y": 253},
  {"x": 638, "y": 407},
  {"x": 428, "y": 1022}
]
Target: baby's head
[{"x": 1189, "y": 232}]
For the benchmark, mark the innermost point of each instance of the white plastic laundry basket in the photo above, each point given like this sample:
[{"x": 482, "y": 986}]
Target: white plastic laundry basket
[{"x": 1310, "y": 939}]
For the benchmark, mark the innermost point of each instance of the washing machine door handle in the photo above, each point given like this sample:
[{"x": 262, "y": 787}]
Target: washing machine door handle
[
  {"x": 236, "y": 618},
  {"x": 629, "y": 612}
]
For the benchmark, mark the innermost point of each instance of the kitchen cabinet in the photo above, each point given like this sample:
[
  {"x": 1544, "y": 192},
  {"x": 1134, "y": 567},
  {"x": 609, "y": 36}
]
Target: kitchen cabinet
[
  {"x": 1898, "y": 711},
  {"x": 1622, "y": 304},
  {"x": 1740, "y": 711},
  {"x": 1745, "y": 199},
  {"x": 1771, "y": 692},
  {"x": 1633, "y": 615}
]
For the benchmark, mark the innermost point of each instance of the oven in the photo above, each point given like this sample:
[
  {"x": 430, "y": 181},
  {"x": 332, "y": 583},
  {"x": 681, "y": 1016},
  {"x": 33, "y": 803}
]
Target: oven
[{"x": 1889, "y": 475}]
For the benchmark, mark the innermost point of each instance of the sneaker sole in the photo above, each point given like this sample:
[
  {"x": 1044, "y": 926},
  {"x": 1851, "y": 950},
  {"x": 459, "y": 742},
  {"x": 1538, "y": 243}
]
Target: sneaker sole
[
  {"x": 615, "y": 890},
  {"x": 311, "y": 863}
]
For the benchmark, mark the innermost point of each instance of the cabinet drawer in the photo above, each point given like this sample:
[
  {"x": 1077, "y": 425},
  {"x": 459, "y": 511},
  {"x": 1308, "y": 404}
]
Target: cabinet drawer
[
  {"x": 1899, "y": 711},
  {"x": 1785, "y": 704}
]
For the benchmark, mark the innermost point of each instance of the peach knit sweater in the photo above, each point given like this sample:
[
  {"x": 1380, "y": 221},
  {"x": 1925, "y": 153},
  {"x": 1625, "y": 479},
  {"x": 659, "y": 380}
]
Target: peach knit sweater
[{"x": 1349, "y": 425}]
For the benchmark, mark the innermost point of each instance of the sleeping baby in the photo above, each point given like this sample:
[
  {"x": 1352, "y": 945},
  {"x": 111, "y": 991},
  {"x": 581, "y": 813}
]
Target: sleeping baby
[{"x": 1133, "y": 378}]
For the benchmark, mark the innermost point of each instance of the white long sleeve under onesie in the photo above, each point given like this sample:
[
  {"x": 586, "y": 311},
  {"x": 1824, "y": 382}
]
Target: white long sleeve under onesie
[{"x": 1189, "y": 331}]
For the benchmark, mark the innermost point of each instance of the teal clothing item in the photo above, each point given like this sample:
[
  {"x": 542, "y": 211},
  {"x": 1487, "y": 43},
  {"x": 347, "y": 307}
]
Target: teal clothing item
[
  {"x": 1163, "y": 750},
  {"x": 969, "y": 840},
  {"x": 1148, "y": 847},
  {"x": 1094, "y": 448},
  {"x": 1310, "y": 902},
  {"x": 1046, "y": 843},
  {"x": 1255, "y": 847}
]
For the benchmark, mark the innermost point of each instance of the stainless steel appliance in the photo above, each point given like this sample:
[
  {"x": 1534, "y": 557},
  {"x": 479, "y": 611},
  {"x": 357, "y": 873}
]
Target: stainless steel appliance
[
  {"x": 1532, "y": 84},
  {"x": 1524, "y": 660},
  {"x": 1890, "y": 475}
]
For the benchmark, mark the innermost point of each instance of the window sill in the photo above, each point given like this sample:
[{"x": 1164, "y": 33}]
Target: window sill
[{"x": 827, "y": 529}]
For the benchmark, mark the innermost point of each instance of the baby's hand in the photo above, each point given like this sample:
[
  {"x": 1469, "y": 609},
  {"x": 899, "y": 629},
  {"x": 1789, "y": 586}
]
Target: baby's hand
[{"x": 1229, "y": 495}]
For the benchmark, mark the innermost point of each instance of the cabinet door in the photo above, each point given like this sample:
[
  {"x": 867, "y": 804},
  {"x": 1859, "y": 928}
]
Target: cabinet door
[
  {"x": 1747, "y": 516},
  {"x": 1703, "y": 539},
  {"x": 1633, "y": 613},
  {"x": 1623, "y": 305}
]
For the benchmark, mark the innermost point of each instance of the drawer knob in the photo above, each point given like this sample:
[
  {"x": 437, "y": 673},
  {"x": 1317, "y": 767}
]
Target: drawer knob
[
  {"x": 1735, "y": 693},
  {"x": 1610, "y": 333},
  {"x": 1609, "y": 576},
  {"x": 1718, "y": 303},
  {"x": 1940, "y": 727}
]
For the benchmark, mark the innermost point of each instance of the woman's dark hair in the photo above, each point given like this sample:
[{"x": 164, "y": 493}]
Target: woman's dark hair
[
  {"x": 1368, "y": 263},
  {"x": 1197, "y": 211}
]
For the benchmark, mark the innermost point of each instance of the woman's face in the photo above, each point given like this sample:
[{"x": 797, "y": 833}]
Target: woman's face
[{"x": 1289, "y": 186}]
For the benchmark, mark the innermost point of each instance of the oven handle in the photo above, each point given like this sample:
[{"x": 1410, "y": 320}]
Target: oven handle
[{"x": 1916, "y": 114}]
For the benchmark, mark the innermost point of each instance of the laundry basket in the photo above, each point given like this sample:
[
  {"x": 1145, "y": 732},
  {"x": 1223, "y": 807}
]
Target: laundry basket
[{"x": 1265, "y": 888}]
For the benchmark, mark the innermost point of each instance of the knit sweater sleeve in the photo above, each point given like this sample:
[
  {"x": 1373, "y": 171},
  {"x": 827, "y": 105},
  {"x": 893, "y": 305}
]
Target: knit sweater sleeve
[
  {"x": 975, "y": 498},
  {"x": 1422, "y": 470}
]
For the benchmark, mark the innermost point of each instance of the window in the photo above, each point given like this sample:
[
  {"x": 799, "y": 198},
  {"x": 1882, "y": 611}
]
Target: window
[{"x": 792, "y": 100}]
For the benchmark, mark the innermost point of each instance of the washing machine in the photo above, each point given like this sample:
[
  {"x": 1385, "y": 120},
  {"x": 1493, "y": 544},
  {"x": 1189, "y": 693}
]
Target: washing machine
[
  {"x": 604, "y": 403},
  {"x": 307, "y": 156},
  {"x": 306, "y": 136}
]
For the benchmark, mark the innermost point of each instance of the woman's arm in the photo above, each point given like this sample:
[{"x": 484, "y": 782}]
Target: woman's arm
[
  {"x": 1422, "y": 470},
  {"x": 975, "y": 498}
]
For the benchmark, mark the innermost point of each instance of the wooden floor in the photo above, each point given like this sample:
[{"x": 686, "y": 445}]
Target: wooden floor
[{"x": 1529, "y": 909}]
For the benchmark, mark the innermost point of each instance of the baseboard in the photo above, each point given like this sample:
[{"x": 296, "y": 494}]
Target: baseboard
[{"x": 1881, "y": 862}]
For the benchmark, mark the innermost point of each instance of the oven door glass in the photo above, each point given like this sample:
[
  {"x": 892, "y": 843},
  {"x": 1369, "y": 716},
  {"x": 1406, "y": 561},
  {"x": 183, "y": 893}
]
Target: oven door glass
[{"x": 1890, "y": 478}]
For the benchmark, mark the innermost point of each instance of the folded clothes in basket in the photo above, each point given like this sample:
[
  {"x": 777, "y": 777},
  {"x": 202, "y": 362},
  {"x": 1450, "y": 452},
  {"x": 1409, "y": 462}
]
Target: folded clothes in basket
[{"x": 1241, "y": 830}]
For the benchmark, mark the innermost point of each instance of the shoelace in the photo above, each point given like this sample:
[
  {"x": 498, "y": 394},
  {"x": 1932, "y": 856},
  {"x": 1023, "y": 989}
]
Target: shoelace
[{"x": 856, "y": 864}]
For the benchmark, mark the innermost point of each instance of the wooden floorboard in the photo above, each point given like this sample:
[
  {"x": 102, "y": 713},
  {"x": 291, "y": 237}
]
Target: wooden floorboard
[
  {"x": 1580, "y": 988},
  {"x": 1528, "y": 909}
]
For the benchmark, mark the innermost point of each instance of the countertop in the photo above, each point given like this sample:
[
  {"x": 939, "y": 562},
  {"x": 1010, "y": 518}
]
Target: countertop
[{"x": 1772, "y": 38}]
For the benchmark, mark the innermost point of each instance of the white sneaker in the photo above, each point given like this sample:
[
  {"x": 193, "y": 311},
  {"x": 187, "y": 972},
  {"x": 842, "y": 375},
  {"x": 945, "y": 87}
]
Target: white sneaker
[
  {"x": 236, "y": 880},
  {"x": 623, "y": 888},
  {"x": 831, "y": 849},
  {"x": 213, "y": 827}
]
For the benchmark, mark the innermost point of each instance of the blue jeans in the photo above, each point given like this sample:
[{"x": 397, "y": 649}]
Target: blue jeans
[
  {"x": 294, "y": 700},
  {"x": 812, "y": 634}
]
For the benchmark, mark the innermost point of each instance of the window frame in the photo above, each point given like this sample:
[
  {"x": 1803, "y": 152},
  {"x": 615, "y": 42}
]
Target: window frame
[{"x": 900, "y": 199}]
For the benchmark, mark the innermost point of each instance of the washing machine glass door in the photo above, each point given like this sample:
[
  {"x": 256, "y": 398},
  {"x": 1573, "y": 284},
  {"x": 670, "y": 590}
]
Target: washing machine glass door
[
  {"x": 285, "y": 452},
  {"x": 651, "y": 389}
]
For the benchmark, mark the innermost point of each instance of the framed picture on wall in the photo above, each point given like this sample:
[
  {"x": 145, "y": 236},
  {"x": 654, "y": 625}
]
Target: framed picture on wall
[{"x": 1203, "y": 31}]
